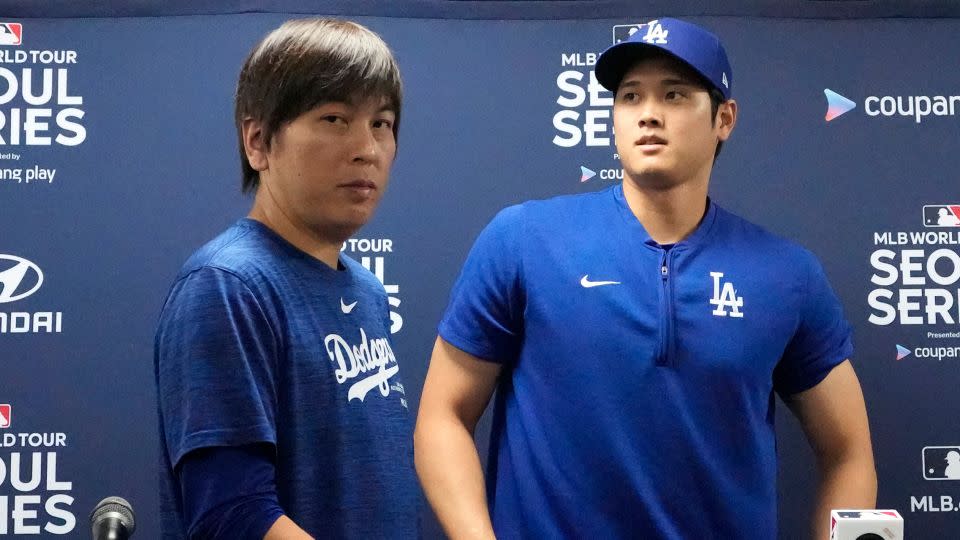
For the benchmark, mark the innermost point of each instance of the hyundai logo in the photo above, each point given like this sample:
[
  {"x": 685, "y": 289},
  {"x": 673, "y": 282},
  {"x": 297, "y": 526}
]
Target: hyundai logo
[{"x": 16, "y": 279}]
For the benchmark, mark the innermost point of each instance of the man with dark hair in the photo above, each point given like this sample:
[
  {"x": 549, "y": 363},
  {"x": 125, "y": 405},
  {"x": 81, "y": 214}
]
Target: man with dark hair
[
  {"x": 636, "y": 337},
  {"x": 282, "y": 411}
]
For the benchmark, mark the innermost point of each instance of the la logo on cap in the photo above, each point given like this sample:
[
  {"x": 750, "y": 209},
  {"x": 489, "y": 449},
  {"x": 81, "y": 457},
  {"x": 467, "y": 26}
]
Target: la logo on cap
[{"x": 655, "y": 33}]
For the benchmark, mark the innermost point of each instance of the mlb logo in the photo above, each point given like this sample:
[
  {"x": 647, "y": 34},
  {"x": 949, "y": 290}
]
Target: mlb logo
[
  {"x": 11, "y": 33},
  {"x": 941, "y": 215},
  {"x": 652, "y": 32},
  {"x": 5, "y": 412},
  {"x": 622, "y": 32},
  {"x": 941, "y": 463}
]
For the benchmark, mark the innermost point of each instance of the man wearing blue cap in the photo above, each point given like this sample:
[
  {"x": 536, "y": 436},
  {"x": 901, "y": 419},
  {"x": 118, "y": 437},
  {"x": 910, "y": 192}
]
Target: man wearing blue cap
[{"x": 636, "y": 353}]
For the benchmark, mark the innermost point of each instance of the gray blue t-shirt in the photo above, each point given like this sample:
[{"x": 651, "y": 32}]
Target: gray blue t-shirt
[{"x": 259, "y": 342}]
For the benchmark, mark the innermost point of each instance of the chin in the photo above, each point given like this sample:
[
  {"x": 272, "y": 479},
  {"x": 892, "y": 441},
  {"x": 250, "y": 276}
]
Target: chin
[
  {"x": 338, "y": 228},
  {"x": 355, "y": 220},
  {"x": 337, "y": 232},
  {"x": 651, "y": 177}
]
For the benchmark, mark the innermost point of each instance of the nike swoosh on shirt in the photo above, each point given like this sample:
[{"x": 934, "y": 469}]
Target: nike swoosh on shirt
[
  {"x": 586, "y": 283},
  {"x": 347, "y": 308}
]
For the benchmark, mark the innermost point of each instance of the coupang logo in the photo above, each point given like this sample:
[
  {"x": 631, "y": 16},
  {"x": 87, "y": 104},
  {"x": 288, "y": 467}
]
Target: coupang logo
[
  {"x": 917, "y": 108},
  {"x": 837, "y": 105},
  {"x": 934, "y": 353}
]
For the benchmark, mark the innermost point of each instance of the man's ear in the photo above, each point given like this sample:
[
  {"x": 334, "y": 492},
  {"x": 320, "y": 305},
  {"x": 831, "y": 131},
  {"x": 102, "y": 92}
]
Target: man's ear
[
  {"x": 726, "y": 119},
  {"x": 255, "y": 145}
]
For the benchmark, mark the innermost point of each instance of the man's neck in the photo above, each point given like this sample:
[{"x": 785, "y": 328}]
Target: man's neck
[
  {"x": 668, "y": 214},
  {"x": 267, "y": 212}
]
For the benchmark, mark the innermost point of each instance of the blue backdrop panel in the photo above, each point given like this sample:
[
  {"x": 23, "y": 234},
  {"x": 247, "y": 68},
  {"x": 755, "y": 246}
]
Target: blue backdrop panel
[{"x": 123, "y": 127}]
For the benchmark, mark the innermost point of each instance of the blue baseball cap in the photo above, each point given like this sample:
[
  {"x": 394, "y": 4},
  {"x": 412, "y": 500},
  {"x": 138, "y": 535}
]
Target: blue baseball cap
[{"x": 689, "y": 43}]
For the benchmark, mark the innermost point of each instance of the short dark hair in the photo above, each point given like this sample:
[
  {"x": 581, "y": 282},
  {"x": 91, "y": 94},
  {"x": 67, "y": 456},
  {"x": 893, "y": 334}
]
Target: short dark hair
[{"x": 305, "y": 63}]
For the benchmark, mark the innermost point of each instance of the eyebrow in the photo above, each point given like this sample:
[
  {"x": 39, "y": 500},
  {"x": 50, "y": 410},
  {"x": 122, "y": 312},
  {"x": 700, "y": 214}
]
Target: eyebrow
[
  {"x": 670, "y": 81},
  {"x": 351, "y": 102}
]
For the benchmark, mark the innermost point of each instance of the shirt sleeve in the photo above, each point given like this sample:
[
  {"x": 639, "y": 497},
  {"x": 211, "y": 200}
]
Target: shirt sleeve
[
  {"x": 822, "y": 339},
  {"x": 485, "y": 313},
  {"x": 216, "y": 365},
  {"x": 229, "y": 492}
]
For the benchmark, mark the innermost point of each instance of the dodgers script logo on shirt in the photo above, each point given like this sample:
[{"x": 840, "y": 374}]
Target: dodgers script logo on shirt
[
  {"x": 725, "y": 298},
  {"x": 372, "y": 362}
]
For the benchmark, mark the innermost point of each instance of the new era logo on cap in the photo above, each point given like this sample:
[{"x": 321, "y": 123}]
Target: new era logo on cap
[
  {"x": 5, "y": 413},
  {"x": 11, "y": 33}
]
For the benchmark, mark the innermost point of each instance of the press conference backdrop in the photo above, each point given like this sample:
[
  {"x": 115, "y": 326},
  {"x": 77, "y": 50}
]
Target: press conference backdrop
[{"x": 118, "y": 158}]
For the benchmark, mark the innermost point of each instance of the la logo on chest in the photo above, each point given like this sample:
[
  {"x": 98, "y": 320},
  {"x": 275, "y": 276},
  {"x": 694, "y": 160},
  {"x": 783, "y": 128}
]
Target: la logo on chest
[{"x": 725, "y": 297}]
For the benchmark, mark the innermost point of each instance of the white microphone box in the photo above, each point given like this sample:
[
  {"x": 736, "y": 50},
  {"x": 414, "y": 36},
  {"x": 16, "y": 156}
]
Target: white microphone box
[{"x": 866, "y": 525}]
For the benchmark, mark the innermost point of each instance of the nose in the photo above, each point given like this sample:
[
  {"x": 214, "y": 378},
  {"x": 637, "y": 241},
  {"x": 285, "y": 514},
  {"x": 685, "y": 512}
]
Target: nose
[
  {"x": 650, "y": 117},
  {"x": 365, "y": 148}
]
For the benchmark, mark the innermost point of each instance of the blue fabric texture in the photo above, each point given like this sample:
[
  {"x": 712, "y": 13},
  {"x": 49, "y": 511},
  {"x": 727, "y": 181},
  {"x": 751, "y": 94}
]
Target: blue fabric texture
[
  {"x": 220, "y": 504},
  {"x": 260, "y": 343},
  {"x": 637, "y": 399}
]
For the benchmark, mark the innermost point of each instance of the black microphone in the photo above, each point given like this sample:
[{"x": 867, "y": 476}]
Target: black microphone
[{"x": 112, "y": 519}]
